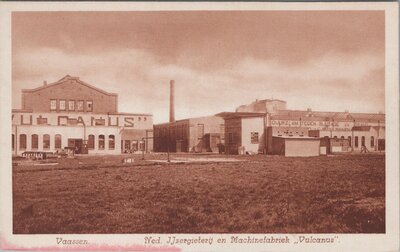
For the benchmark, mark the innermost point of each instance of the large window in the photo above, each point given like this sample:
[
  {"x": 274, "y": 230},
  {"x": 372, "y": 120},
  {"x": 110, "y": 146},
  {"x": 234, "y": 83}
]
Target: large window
[
  {"x": 101, "y": 142},
  {"x": 349, "y": 140},
  {"x": 356, "y": 141},
  {"x": 53, "y": 104},
  {"x": 89, "y": 106},
  {"x": 91, "y": 142},
  {"x": 46, "y": 141},
  {"x": 254, "y": 137},
  {"x": 372, "y": 141},
  {"x": 111, "y": 141},
  {"x": 57, "y": 141},
  {"x": 62, "y": 104},
  {"x": 71, "y": 105},
  {"x": 34, "y": 141},
  {"x": 22, "y": 141},
  {"x": 363, "y": 141}
]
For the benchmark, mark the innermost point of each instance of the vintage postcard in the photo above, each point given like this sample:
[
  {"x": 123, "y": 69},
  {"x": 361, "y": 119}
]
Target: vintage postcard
[{"x": 199, "y": 126}]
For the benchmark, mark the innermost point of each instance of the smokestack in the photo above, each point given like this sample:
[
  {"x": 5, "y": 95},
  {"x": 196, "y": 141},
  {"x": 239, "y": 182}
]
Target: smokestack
[{"x": 171, "y": 101}]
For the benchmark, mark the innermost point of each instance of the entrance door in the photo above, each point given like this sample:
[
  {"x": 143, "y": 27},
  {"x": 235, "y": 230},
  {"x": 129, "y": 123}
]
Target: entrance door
[
  {"x": 381, "y": 144},
  {"x": 76, "y": 143}
]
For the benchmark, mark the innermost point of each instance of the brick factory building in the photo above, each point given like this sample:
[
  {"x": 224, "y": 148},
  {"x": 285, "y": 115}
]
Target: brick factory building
[
  {"x": 71, "y": 113},
  {"x": 201, "y": 134},
  {"x": 266, "y": 126}
]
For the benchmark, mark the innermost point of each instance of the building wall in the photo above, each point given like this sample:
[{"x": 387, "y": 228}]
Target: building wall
[
  {"x": 69, "y": 89},
  {"x": 187, "y": 135},
  {"x": 199, "y": 127},
  {"x": 302, "y": 147},
  {"x": 295, "y": 147},
  {"x": 71, "y": 132},
  {"x": 251, "y": 126}
]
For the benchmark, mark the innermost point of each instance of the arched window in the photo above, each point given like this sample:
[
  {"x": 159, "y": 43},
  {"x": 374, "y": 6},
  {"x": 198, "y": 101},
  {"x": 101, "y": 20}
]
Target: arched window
[
  {"x": 34, "y": 141},
  {"x": 13, "y": 141},
  {"x": 349, "y": 140},
  {"x": 363, "y": 141},
  {"x": 22, "y": 141},
  {"x": 46, "y": 141},
  {"x": 111, "y": 141},
  {"x": 372, "y": 141},
  {"x": 91, "y": 142},
  {"x": 57, "y": 141},
  {"x": 101, "y": 142}
]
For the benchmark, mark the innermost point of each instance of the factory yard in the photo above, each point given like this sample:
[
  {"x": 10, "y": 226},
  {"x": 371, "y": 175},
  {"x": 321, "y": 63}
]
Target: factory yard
[{"x": 218, "y": 194}]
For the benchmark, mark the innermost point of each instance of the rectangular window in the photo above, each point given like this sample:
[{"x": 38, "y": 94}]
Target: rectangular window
[
  {"x": 79, "y": 105},
  {"x": 62, "y": 105},
  {"x": 254, "y": 137},
  {"x": 89, "y": 106},
  {"x": 356, "y": 141},
  {"x": 71, "y": 105},
  {"x": 53, "y": 105}
]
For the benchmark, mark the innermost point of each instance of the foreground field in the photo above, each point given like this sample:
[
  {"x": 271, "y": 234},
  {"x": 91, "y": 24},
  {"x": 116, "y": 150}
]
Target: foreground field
[{"x": 257, "y": 194}]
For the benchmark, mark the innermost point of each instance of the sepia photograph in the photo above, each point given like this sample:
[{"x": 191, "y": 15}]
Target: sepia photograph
[{"x": 206, "y": 122}]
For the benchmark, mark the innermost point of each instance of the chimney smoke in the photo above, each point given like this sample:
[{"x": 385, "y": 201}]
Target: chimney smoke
[{"x": 171, "y": 101}]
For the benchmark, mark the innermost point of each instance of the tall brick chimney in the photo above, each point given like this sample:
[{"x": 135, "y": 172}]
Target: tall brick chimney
[{"x": 171, "y": 101}]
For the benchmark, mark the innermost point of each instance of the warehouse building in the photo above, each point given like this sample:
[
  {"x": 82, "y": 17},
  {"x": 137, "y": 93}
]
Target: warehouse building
[
  {"x": 72, "y": 114},
  {"x": 266, "y": 126},
  {"x": 201, "y": 134}
]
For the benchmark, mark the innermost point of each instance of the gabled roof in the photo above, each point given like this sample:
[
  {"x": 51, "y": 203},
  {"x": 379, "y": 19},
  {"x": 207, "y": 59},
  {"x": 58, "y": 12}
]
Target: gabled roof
[{"x": 62, "y": 80}]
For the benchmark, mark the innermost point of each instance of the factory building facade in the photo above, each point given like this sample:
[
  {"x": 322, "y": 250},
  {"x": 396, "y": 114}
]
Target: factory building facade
[
  {"x": 71, "y": 114},
  {"x": 201, "y": 134},
  {"x": 266, "y": 126}
]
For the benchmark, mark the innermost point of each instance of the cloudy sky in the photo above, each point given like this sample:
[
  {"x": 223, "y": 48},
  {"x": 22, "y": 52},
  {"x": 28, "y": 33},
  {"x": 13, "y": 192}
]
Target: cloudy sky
[{"x": 324, "y": 60}]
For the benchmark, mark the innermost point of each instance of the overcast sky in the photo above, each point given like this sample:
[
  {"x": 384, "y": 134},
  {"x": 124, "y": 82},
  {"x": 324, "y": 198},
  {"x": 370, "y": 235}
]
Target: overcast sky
[{"x": 325, "y": 60}]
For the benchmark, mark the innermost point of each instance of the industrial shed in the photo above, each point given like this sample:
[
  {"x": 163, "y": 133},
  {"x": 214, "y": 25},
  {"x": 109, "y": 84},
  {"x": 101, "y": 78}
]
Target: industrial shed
[{"x": 295, "y": 146}]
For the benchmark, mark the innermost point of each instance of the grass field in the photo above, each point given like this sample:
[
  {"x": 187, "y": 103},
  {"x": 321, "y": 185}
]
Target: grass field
[{"x": 257, "y": 194}]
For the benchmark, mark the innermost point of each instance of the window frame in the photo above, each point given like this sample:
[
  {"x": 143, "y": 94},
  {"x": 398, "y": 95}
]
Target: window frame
[
  {"x": 36, "y": 141},
  {"x": 111, "y": 139},
  {"x": 73, "y": 105},
  {"x": 22, "y": 145},
  {"x": 56, "y": 142},
  {"x": 51, "y": 104},
  {"x": 254, "y": 137},
  {"x": 44, "y": 140},
  {"x": 87, "y": 106},
  {"x": 101, "y": 138},
  {"x": 83, "y": 106},
  {"x": 63, "y": 101}
]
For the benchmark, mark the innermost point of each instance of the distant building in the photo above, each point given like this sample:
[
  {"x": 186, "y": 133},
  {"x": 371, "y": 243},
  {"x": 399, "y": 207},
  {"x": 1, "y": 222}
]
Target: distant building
[
  {"x": 264, "y": 127},
  {"x": 201, "y": 134},
  {"x": 271, "y": 106},
  {"x": 71, "y": 113}
]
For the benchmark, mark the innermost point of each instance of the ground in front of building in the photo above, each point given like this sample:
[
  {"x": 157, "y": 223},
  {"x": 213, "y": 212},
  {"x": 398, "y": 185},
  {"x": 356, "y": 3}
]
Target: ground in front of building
[{"x": 243, "y": 194}]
